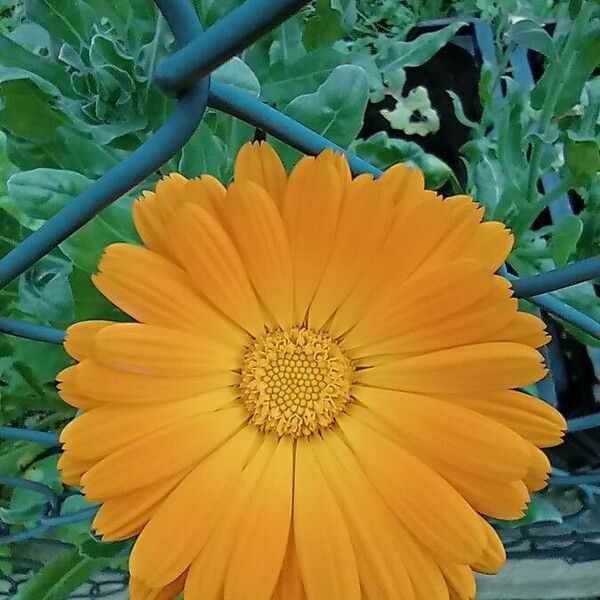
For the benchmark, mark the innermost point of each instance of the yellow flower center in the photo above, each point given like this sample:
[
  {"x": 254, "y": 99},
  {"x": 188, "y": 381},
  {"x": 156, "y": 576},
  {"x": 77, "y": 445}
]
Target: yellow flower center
[{"x": 295, "y": 382}]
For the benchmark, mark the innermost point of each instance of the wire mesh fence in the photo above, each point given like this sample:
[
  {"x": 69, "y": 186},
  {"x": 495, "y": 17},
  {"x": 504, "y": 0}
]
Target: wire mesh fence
[{"x": 186, "y": 74}]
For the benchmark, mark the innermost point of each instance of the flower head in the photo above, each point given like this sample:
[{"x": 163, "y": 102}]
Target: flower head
[{"x": 317, "y": 396}]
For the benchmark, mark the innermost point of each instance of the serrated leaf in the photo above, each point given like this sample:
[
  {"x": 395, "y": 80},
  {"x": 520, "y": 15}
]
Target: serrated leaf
[
  {"x": 15, "y": 56},
  {"x": 287, "y": 46},
  {"x": 324, "y": 27},
  {"x": 531, "y": 35},
  {"x": 26, "y": 111},
  {"x": 68, "y": 20},
  {"x": 584, "y": 60},
  {"x": 282, "y": 83}
]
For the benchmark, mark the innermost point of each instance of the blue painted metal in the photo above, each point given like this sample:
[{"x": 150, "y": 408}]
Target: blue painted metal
[
  {"x": 232, "y": 34},
  {"x": 177, "y": 129},
  {"x": 243, "y": 106},
  {"x": 40, "y": 333},
  {"x": 584, "y": 423},
  {"x": 28, "y": 435},
  {"x": 572, "y": 274},
  {"x": 199, "y": 54}
]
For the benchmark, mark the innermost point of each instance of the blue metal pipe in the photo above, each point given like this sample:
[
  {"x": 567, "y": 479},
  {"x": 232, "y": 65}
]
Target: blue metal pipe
[
  {"x": 41, "y": 333},
  {"x": 243, "y": 106},
  {"x": 169, "y": 138},
  {"x": 232, "y": 34},
  {"x": 34, "y": 486},
  {"x": 76, "y": 517},
  {"x": 28, "y": 435},
  {"x": 583, "y": 423},
  {"x": 571, "y": 274}
]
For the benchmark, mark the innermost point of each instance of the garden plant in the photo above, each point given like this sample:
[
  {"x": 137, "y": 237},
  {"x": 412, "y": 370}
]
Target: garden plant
[{"x": 298, "y": 300}]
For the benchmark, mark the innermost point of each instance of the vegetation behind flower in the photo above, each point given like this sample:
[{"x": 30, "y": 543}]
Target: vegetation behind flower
[{"x": 75, "y": 97}]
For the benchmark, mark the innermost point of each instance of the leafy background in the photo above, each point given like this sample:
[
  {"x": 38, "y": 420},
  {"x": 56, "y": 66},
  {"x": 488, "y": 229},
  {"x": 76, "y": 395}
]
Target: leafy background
[{"x": 76, "y": 96}]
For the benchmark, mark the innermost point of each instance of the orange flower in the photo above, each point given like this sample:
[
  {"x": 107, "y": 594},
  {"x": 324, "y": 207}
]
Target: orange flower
[{"x": 317, "y": 397}]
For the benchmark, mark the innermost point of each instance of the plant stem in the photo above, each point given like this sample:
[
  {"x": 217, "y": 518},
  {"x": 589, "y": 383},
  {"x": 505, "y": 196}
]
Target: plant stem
[{"x": 561, "y": 66}]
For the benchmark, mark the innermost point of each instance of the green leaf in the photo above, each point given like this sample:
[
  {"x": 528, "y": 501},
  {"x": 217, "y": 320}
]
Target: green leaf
[
  {"x": 584, "y": 298},
  {"x": 282, "y": 83},
  {"x": 25, "y": 504},
  {"x": 45, "y": 294},
  {"x": 59, "y": 578},
  {"x": 565, "y": 236},
  {"x": 26, "y": 111},
  {"x": 15, "y": 56},
  {"x": 584, "y": 60},
  {"x": 582, "y": 159},
  {"x": 89, "y": 302},
  {"x": 95, "y": 548},
  {"x": 287, "y": 46},
  {"x": 324, "y": 27},
  {"x": 531, "y": 35},
  {"x": 68, "y": 20},
  {"x": 203, "y": 154},
  {"x": 459, "y": 111},
  {"x": 41, "y": 193},
  {"x": 383, "y": 152},
  {"x": 237, "y": 73},
  {"x": 85, "y": 246},
  {"x": 539, "y": 510},
  {"x": 417, "y": 52},
  {"x": 489, "y": 183},
  {"x": 337, "y": 108}
]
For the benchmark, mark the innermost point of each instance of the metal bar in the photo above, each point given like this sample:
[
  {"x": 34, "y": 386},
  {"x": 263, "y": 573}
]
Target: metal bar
[
  {"x": 41, "y": 333},
  {"x": 583, "y": 423},
  {"x": 232, "y": 34},
  {"x": 27, "y": 435},
  {"x": 169, "y": 138},
  {"x": 34, "y": 486},
  {"x": 572, "y": 274},
  {"x": 76, "y": 517},
  {"x": 574, "y": 480},
  {"x": 243, "y": 106}
]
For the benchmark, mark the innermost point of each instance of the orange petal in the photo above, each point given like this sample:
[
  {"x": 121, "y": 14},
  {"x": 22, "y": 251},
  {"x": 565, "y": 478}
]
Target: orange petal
[
  {"x": 201, "y": 494},
  {"x": 254, "y": 567},
  {"x": 160, "y": 294},
  {"x": 366, "y": 215},
  {"x": 325, "y": 555},
  {"x": 214, "y": 265},
  {"x": 310, "y": 212},
  {"x": 422, "y": 500},
  {"x": 79, "y": 338},
  {"x": 153, "y": 211},
  {"x": 258, "y": 232},
  {"x": 91, "y": 379},
  {"x": 259, "y": 163},
  {"x": 165, "y": 452},
  {"x": 475, "y": 368},
  {"x": 162, "y": 352},
  {"x": 524, "y": 329}
]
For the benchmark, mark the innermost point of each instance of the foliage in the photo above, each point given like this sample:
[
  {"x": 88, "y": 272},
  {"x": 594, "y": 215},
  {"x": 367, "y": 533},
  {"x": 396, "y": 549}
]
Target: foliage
[{"x": 76, "y": 96}]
